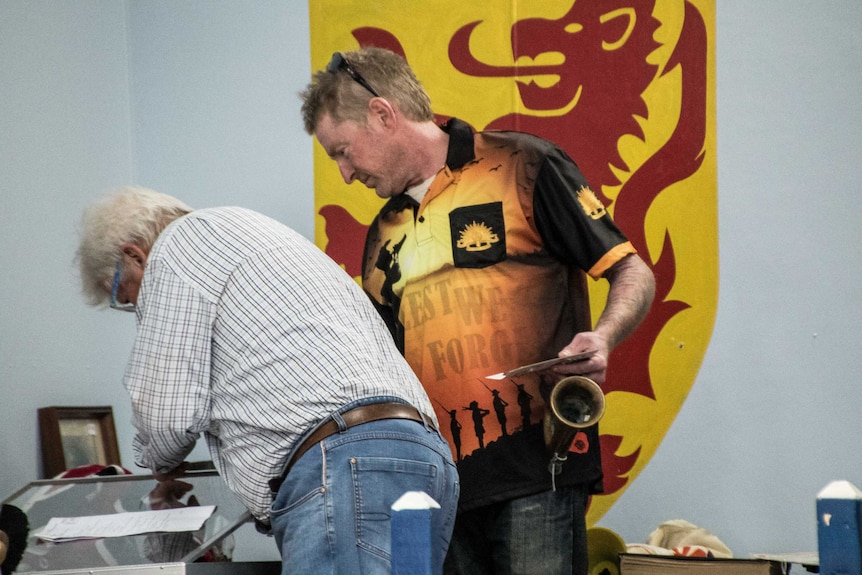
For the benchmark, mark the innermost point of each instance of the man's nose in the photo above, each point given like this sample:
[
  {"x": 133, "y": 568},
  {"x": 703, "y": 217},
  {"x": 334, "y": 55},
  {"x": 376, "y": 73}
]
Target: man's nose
[{"x": 348, "y": 174}]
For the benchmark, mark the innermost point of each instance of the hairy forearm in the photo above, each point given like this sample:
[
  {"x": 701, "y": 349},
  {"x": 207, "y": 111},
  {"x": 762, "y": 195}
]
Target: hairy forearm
[{"x": 632, "y": 288}]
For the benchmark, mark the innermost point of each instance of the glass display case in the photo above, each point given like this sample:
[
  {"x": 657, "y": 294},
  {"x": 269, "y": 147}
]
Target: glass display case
[{"x": 206, "y": 551}]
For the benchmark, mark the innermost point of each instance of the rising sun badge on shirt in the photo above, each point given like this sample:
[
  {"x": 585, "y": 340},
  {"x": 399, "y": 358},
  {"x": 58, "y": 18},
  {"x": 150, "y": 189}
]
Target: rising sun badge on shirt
[
  {"x": 477, "y": 238},
  {"x": 478, "y": 235},
  {"x": 590, "y": 203}
]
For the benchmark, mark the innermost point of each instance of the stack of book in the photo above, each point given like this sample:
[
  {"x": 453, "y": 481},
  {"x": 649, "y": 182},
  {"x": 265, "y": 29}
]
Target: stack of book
[{"x": 637, "y": 564}]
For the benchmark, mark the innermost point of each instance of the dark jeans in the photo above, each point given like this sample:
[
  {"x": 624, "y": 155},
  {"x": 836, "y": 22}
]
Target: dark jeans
[{"x": 542, "y": 534}]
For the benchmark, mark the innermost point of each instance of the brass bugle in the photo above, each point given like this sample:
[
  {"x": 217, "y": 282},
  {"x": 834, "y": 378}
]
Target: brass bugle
[{"x": 576, "y": 402}]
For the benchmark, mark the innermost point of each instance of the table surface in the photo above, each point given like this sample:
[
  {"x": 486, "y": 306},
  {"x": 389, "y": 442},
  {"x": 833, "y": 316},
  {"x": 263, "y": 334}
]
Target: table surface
[{"x": 42, "y": 500}]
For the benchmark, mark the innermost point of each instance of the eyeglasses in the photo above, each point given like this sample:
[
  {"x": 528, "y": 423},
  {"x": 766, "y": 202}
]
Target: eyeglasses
[
  {"x": 339, "y": 62},
  {"x": 114, "y": 288}
]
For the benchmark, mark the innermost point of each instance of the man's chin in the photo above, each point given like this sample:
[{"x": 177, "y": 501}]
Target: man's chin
[{"x": 383, "y": 193}]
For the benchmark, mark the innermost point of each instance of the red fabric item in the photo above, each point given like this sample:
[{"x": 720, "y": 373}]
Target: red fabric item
[
  {"x": 692, "y": 551},
  {"x": 95, "y": 469}
]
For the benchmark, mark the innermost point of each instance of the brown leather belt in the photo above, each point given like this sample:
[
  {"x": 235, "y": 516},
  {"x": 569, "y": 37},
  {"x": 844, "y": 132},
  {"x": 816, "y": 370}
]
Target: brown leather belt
[{"x": 352, "y": 418}]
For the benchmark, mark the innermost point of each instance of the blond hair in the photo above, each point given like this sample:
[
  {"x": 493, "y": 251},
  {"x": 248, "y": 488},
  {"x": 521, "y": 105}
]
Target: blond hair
[{"x": 336, "y": 93}]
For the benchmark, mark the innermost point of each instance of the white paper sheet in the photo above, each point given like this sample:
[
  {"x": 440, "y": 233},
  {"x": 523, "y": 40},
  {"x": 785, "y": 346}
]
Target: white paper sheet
[
  {"x": 122, "y": 524},
  {"x": 803, "y": 558},
  {"x": 542, "y": 365}
]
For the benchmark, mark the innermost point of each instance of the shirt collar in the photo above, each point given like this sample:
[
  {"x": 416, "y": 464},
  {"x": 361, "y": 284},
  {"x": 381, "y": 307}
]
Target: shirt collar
[
  {"x": 461, "y": 148},
  {"x": 460, "y": 152}
]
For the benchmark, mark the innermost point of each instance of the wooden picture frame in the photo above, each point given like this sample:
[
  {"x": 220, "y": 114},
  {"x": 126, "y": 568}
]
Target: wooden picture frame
[{"x": 75, "y": 436}]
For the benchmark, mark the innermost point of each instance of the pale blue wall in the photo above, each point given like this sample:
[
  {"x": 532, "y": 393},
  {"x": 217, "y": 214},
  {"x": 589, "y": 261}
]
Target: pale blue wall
[
  {"x": 64, "y": 136},
  {"x": 198, "y": 99},
  {"x": 215, "y": 108}
]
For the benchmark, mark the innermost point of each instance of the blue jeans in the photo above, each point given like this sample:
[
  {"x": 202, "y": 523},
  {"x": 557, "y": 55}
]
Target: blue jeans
[
  {"x": 542, "y": 534},
  {"x": 331, "y": 514}
]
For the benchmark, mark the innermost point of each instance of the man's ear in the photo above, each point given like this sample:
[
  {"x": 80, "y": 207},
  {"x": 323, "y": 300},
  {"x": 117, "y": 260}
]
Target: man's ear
[
  {"x": 380, "y": 111},
  {"x": 135, "y": 253}
]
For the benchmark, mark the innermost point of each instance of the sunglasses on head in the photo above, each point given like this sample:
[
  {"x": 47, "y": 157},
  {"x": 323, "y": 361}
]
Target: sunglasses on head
[{"x": 339, "y": 62}]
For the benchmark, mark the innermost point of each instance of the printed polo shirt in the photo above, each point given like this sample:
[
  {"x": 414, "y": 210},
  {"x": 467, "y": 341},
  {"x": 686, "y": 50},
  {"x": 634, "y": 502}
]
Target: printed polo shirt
[{"x": 486, "y": 274}]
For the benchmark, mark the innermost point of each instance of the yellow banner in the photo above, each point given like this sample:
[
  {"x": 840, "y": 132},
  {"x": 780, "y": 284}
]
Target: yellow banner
[{"x": 627, "y": 88}]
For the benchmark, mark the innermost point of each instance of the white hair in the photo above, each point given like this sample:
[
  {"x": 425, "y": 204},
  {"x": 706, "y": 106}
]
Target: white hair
[{"x": 130, "y": 214}]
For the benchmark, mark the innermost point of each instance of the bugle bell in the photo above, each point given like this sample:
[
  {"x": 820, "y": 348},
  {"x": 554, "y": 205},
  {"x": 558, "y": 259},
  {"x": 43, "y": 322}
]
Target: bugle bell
[{"x": 576, "y": 402}]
